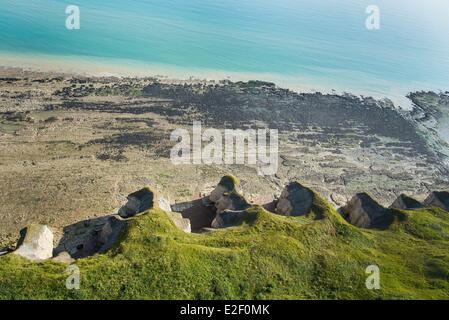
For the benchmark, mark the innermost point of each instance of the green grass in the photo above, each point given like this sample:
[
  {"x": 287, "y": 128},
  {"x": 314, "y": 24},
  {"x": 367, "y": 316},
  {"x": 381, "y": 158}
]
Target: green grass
[{"x": 267, "y": 257}]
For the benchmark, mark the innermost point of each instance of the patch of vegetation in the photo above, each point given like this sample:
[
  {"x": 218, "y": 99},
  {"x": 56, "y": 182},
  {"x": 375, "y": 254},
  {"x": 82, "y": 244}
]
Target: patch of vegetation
[
  {"x": 267, "y": 257},
  {"x": 230, "y": 182},
  {"x": 10, "y": 127},
  {"x": 123, "y": 90}
]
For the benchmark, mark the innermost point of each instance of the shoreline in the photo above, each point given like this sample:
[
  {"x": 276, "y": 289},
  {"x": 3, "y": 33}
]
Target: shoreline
[{"x": 121, "y": 68}]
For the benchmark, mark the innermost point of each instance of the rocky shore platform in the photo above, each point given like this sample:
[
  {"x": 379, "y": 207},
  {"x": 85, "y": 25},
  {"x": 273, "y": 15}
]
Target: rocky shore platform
[{"x": 72, "y": 148}]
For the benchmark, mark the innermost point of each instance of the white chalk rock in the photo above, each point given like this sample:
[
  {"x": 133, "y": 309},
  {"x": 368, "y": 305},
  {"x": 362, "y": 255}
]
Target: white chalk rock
[
  {"x": 37, "y": 243},
  {"x": 164, "y": 204},
  {"x": 181, "y": 222}
]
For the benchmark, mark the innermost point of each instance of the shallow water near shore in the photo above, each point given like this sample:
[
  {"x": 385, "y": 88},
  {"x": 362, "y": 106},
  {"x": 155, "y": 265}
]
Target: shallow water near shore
[{"x": 299, "y": 44}]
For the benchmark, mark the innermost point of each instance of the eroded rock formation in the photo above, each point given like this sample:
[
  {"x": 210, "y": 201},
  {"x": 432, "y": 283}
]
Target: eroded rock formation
[
  {"x": 146, "y": 199},
  {"x": 295, "y": 200},
  {"x": 226, "y": 195},
  {"x": 228, "y": 218},
  {"x": 224, "y": 207},
  {"x": 229, "y": 203},
  {"x": 88, "y": 237},
  {"x": 364, "y": 212},
  {"x": 404, "y": 202},
  {"x": 181, "y": 222},
  {"x": 36, "y": 243},
  {"x": 164, "y": 204},
  {"x": 439, "y": 199},
  {"x": 138, "y": 202}
]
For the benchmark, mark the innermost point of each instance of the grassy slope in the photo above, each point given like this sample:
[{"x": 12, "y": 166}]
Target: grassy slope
[{"x": 269, "y": 256}]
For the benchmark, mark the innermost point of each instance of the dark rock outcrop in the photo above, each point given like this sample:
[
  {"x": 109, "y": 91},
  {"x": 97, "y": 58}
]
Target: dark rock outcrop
[
  {"x": 404, "y": 202},
  {"x": 227, "y": 197},
  {"x": 226, "y": 185},
  {"x": 198, "y": 211},
  {"x": 229, "y": 203},
  {"x": 228, "y": 218},
  {"x": 439, "y": 199},
  {"x": 232, "y": 201},
  {"x": 138, "y": 202},
  {"x": 295, "y": 200},
  {"x": 362, "y": 211},
  {"x": 146, "y": 199},
  {"x": 89, "y": 237},
  {"x": 110, "y": 233}
]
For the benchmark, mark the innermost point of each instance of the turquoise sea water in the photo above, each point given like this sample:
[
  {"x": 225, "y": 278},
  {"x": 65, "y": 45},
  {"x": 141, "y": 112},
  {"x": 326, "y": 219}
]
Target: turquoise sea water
[{"x": 324, "y": 43}]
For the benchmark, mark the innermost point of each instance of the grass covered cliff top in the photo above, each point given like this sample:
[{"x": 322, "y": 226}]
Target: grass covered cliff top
[{"x": 267, "y": 257}]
